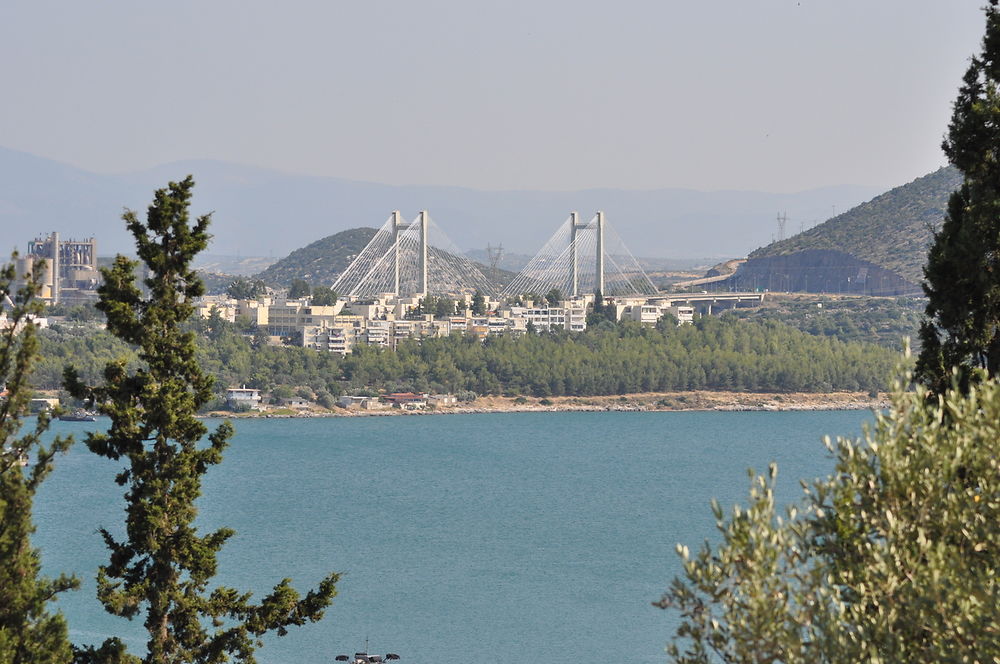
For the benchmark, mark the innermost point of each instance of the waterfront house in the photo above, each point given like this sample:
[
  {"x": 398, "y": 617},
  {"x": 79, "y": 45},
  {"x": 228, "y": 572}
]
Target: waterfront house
[
  {"x": 246, "y": 397},
  {"x": 42, "y": 404},
  {"x": 405, "y": 400},
  {"x": 442, "y": 399},
  {"x": 352, "y": 402},
  {"x": 293, "y": 402}
]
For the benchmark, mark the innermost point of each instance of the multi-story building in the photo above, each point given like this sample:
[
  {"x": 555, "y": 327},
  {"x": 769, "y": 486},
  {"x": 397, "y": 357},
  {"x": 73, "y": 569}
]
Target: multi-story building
[
  {"x": 246, "y": 397},
  {"x": 572, "y": 318},
  {"x": 683, "y": 313},
  {"x": 287, "y": 318},
  {"x": 256, "y": 311},
  {"x": 378, "y": 333},
  {"x": 338, "y": 339},
  {"x": 222, "y": 305}
]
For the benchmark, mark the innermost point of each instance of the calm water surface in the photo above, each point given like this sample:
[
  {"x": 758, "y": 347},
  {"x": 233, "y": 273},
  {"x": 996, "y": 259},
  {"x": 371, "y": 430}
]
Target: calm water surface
[{"x": 486, "y": 538}]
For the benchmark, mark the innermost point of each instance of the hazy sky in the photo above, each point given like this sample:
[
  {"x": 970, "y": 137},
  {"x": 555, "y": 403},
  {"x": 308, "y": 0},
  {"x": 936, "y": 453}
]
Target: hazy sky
[{"x": 776, "y": 95}]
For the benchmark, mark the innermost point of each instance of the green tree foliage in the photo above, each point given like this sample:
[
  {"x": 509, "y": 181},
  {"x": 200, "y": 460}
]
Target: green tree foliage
[
  {"x": 299, "y": 288},
  {"x": 323, "y": 296},
  {"x": 426, "y": 305},
  {"x": 554, "y": 297},
  {"x": 246, "y": 289},
  {"x": 29, "y": 633},
  {"x": 962, "y": 330},
  {"x": 478, "y": 304},
  {"x": 163, "y": 567},
  {"x": 883, "y": 321},
  {"x": 601, "y": 311},
  {"x": 893, "y": 558},
  {"x": 439, "y": 307},
  {"x": 80, "y": 313},
  {"x": 444, "y": 308}
]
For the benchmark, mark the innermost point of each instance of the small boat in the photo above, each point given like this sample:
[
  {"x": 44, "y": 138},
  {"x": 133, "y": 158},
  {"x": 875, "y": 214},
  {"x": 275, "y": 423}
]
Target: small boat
[{"x": 78, "y": 416}]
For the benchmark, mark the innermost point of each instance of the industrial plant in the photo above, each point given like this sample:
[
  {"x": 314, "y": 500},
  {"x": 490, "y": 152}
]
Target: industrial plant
[{"x": 67, "y": 269}]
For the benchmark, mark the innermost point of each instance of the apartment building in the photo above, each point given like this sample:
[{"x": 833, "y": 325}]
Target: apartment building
[{"x": 546, "y": 319}]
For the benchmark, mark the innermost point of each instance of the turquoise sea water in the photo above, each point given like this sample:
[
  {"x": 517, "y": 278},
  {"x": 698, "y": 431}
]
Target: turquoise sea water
[{"x": 486, "y": 538}]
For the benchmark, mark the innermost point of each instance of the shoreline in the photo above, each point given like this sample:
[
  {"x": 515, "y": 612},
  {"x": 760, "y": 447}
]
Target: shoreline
[{"x": 700, "y": 400}]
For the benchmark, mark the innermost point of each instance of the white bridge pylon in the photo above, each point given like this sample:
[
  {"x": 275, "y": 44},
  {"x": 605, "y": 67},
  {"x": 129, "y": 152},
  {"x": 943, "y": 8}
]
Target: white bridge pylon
[
  {"x": 411, "y": 259},
  {"x": 580, "y": 259}
]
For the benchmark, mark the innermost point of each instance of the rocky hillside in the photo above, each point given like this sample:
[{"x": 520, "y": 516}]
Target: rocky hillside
[
  {"x": 892, "y": 230},
  {"x": 320, "y": 262}
]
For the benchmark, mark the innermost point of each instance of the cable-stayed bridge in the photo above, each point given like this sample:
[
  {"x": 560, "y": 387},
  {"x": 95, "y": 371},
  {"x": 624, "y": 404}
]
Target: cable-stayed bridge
[
  {"x": 417, "y": 258},
  {"x": 411, "y": 259},
  {"x": 583, "y": 258}
]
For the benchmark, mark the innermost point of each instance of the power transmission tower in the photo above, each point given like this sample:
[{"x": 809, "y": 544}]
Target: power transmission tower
[
  {"x": 496, "y": 255},
  {"x": 782, "y": 220}
]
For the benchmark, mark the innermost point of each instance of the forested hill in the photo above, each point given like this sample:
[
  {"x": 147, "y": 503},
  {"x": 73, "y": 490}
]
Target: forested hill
[
  {"x": 892, "y": 230},
  {"x": 320, "y": 262}
]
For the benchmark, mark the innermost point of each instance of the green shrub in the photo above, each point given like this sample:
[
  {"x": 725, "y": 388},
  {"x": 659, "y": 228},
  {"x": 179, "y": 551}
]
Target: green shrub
[{"x": 895, "y": 557}]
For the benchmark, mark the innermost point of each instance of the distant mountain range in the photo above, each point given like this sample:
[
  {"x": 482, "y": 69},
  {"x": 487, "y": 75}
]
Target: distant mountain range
[{"x": 259, "y": 212}]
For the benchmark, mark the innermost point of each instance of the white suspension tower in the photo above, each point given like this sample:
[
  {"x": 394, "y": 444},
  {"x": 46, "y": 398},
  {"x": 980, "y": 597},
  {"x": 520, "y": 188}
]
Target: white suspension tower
[
  {"x": 575, "y": 225},
  {"x": 423, "y": 252},
  {"x": 600, "y": 252},
  {"x": 399, "y": 227}
]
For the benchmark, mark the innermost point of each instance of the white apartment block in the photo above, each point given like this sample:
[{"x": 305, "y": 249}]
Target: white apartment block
[{"x": 545, "y": 319}]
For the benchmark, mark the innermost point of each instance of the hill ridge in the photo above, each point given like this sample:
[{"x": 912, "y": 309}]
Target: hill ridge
[{"x": 892, "y": 230}]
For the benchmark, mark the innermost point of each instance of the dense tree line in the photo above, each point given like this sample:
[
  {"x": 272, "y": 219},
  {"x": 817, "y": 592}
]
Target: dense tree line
[
  {"x": 714, "y": 354},
  {"x": 883, "y": 321},
  {"x": 624, "y": 358}
]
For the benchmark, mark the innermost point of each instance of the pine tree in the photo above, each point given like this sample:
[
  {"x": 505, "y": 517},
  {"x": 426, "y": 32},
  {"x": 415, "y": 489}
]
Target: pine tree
[
  {"x": 962, "y": 328},
  {"x": 444, "y": 308},
  {"x": 299, "y": 288},
  {"x": 478, "y": 304},
  {"x": 323, "y": 296},
  {"x": 163, "y": 567},
  {"x": 29, "y": 634}
]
